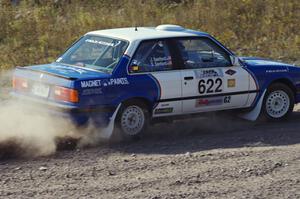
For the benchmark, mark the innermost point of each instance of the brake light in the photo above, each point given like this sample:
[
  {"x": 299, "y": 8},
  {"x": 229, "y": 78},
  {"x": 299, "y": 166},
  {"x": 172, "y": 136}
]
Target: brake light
[
  {"x": 65, "y": 94},
  {"x": 20, "y": 83}
]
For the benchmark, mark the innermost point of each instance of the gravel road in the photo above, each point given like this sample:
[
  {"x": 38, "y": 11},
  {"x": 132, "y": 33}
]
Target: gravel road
[{"x": 199, "y": 158}]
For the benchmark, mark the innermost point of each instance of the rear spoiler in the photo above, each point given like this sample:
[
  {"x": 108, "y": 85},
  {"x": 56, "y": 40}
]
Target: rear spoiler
[{"x": 45, "y": 72}]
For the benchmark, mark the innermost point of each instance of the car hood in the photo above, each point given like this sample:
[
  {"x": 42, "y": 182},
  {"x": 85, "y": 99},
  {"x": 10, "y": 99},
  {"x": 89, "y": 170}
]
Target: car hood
[
  {"x": 255, "y": 61},
  {"x": 68, "y": 71}
]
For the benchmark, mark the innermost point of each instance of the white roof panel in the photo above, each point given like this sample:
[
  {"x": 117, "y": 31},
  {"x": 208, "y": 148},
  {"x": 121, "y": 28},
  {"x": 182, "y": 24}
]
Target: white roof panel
[{"x": 143, "y": 33}]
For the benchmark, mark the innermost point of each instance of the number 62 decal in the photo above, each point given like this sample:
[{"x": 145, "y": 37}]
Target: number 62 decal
[{"x": 210, "y": 86}]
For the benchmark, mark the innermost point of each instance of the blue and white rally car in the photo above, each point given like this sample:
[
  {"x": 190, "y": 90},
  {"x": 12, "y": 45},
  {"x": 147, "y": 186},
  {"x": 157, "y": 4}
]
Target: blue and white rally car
[{"x": 129, "y": 77}]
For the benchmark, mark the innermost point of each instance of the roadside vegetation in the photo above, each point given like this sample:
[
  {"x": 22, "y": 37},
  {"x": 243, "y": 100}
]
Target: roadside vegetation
[{"x": 37, "y": 31}]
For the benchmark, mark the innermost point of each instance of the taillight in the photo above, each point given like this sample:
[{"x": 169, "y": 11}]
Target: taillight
[
  {"x": 65, "y": 94},
  {"x": 20, "y": 84}
]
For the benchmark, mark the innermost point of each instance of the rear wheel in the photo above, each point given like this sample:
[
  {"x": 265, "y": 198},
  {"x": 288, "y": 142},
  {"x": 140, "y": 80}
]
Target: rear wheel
[
  {"x": 278, "y": 102},
  {"x": 132, "y": 120}
]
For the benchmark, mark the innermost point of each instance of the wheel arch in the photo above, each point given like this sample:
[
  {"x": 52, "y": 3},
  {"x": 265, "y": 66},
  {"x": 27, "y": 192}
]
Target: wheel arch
[
  {"x": 286, "y": 82},
  {"x": 143, "y": 100}
]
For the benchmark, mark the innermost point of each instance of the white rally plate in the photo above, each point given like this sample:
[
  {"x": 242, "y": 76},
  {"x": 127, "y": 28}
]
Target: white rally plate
[{"x": 40, "y": 90}]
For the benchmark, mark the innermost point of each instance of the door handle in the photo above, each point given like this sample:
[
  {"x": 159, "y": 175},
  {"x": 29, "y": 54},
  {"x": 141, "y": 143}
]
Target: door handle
[{"x": 189, "y": 78}]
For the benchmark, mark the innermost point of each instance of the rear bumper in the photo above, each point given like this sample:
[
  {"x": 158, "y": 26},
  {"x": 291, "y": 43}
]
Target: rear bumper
[{"x": 97, "y": 115}]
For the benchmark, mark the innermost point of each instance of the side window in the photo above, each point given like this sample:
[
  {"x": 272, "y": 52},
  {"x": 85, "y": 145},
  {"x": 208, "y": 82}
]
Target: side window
[
  {"x": 151, "y": 56},
  {"x": 202, "y": 53}
]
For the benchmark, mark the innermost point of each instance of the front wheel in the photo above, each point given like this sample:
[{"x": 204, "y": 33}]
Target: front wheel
[
  {"x": 132, "y": 120},
  {"x": 278, "y": 102}
]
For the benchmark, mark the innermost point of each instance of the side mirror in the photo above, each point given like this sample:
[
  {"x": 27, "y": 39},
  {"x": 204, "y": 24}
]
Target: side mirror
[{"x": 235, "y": 61}]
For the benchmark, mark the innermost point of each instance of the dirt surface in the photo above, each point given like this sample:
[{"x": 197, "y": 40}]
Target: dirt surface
[{"x": 199, "y": 158}]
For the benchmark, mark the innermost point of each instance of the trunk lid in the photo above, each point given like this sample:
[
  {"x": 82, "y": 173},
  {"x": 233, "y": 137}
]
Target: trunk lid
[
  {"x": 41, "y": 81},
  {"x": 67, "y": 71}
]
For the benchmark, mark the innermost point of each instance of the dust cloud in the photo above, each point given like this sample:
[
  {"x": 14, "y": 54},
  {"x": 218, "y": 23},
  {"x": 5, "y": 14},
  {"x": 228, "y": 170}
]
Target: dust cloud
[
  {"x": 34, "y": 132},
  {"x": 30, "y": 131}
]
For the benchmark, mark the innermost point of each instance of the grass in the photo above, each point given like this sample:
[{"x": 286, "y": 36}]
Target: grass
[{"x": 36, "y": 32}]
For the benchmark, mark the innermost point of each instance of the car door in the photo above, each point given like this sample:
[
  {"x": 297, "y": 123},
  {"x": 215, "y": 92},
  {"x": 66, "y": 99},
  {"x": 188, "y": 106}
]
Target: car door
[
  {"x": 153, "y": 58},
  {"x": 209, "y": 81}
]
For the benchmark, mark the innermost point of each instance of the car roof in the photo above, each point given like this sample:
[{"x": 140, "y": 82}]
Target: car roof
[{"x": 144, "y": 33}]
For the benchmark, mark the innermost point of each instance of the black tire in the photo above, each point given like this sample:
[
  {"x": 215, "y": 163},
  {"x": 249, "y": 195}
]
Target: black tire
[
  {"x": 279, "y": 95},
  {"x": 139, "y": 114}
]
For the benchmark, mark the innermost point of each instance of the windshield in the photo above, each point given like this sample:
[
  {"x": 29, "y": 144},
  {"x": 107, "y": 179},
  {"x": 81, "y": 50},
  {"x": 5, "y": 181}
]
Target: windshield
[{"x": 100, "y": 53}]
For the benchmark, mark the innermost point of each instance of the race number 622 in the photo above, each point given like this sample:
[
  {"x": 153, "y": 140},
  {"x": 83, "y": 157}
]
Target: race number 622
[{"x": 210, "y": 86}]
